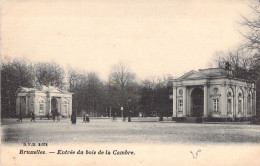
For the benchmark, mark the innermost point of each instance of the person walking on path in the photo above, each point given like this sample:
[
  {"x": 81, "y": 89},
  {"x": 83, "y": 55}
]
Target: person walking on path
[
  {"x": 87, "y": 118},
  {"x": 73, "y": 118},
  {"x": 20, "y": 117},
  {"x": 57, "y": 114},
  {"x": 114, "y": 117},
  {"x": 84, "y": 116},
  {"x": 33, "y": 116},
  {"x": 53, "y": 115}
]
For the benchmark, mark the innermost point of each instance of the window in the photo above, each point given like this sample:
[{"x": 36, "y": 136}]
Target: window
[
  {"x": 239, "y": 106},
  {"x": 215, "y": 90},
  {"x": 216, "y": 105},
  {"x": 249, "y": 106},
  {"x": 65, "y": 109},
  {"x": 229, "y": 106},
  {"x": 181, "y": 92},
  {"x": 180, "y": 105},
  {"x": 41, "y": 110}
]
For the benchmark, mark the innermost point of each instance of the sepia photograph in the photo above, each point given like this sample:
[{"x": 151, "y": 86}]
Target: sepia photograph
[{"x": 127, "y": 82}]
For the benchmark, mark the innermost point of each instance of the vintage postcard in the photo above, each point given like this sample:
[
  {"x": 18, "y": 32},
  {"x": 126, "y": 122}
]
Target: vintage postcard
[{"x": 130, "y": 82}]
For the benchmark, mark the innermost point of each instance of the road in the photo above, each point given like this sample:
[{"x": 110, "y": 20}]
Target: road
[{"x": 140, "y": 130}]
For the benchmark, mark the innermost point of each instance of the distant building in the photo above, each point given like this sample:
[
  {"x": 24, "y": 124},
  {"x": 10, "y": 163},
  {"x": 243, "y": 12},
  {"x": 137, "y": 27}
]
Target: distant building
[
  {"x": 211, "y": 94},
  {"x": 43, "y": 101}
]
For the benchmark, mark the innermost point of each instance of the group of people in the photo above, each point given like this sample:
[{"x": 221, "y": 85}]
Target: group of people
[
  {"x": 56, "y": 115},
  {"x": 31, "y": 114},
  {"x": 84, "y": 115}
]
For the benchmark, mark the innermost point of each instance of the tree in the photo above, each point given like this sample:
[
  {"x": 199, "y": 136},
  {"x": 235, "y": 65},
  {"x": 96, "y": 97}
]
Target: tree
[
  {"x": 18, "y": 72},
  {"x": 252, "y": 47},
  {"x": 49, "y": 73},
  {"x": 236, "y": 62},
  {"x": 123, "y": 88},
  {"x": 253, "y": 24},
  {"x": 88, "y": 91},
  {"x": 154, "y": 100},
  {"x": 244, "y": 62}
]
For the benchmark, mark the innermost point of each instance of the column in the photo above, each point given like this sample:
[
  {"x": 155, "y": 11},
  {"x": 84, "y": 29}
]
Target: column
[
  {"x": 205, "y": 107},
  {"x": 245, "y": 105},
  {"x": 60, "y": 105},
  {"x": 223, "y": 100},
  {"x": 70, "y": 106},
  {"x": 26, "y": 103},
  {"x": 236, "y": 101},
  {"x": 254, "y": 100},
  {"x": 35, "y": 105},
  {"x": 50, "y": 105},
  {"x": 184, "y": 100},
  {"x": 18, "y": 106},
  {"x": 174, "y": 104}
]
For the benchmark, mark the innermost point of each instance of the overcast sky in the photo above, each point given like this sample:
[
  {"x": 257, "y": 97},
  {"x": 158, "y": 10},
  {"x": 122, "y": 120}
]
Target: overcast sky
[{"x": 154, "y": 36}]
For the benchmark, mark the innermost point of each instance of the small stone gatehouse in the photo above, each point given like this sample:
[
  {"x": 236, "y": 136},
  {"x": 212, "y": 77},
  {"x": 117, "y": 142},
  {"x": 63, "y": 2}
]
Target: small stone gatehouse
[
  {"x": 213, "y": 94},
  {"x": 42, "y": 101}
]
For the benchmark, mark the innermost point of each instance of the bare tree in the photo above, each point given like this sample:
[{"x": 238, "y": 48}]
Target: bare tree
[
  {"x": 88, "y": 92},
  {"x": 49, "y": 73},
  {"x": 244, "y": 62},
  {"x": 154, "y": 96},
  {"x": 253, "y": 24},
  {"x": 123, "y": 87}
]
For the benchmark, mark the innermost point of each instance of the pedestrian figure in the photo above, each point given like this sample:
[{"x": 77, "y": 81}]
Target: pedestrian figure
[
  {"x": 57, "y": 114},
  {"x": 114, "y": 117},
  {"x": 87, "y": 118},
  {"x": 73, "y": 117},
  {"x": 33, "y": 116},
  {"x": 20, "y": 117},
  {"x": 53, "y": 115},
  {"x": 84, "y": 116}
]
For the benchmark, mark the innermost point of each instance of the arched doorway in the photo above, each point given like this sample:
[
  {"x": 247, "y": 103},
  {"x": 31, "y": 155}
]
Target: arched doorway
[
  {"x": 197, "y": 101},
  {"x": 54, "y": 104}
]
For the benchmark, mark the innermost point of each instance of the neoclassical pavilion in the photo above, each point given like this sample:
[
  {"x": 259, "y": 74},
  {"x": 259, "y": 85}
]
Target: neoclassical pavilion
[
  {"x": 211, "y": 94},
  {"x": 41, "y": 101}
]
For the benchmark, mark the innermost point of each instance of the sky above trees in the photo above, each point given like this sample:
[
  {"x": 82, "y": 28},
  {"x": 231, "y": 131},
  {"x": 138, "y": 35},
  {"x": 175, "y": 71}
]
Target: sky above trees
[{"x": 153, "y": 37}]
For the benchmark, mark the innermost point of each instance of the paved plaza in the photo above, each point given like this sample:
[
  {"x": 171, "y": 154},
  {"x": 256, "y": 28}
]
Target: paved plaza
[{"x": 140, "y": 130}]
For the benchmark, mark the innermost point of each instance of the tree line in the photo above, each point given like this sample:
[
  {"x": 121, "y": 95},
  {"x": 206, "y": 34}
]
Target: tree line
[{"x": 121, "y": 94}]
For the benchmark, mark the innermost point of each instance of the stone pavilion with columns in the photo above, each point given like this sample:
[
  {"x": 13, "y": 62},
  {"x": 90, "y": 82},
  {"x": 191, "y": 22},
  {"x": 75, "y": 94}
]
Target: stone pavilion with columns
[
  {"x": 43, "y": 100},
  {"x": 212, "y": 94}
]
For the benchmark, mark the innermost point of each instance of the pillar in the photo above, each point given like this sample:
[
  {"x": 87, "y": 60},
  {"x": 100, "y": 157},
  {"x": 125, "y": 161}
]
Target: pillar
[
  {"x": 50, "y": 105},
  {"x": 236, "y": 101},
  {"x": 174, "y": 104},
  {"x": 245, "y": 111},
  {"x": 60, "y": 105},
  {"x": 70, "y": 106},
  {"x": 254, "y": 100},
  {"x": 26, "y": 105},
  {"x": 223, "y": 100},
  {"x": 184, "y": 101},
  {"x": 17, "y": 105},
  {"x": 35, "y": 104},
  {"x": 205, "y": 107}
]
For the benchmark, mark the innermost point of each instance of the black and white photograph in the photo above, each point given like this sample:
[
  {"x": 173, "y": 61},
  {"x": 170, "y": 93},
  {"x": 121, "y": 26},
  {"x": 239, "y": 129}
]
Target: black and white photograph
[{"x": 130, "y": 82}]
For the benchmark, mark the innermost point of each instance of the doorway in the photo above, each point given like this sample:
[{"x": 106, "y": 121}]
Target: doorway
[
  {"x": 197, "y": 102},
  {"x": 55, "y": 104}
]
